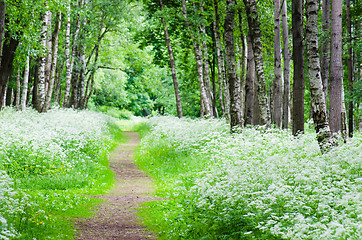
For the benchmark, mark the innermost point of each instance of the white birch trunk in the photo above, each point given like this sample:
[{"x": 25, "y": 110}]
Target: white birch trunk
[
  {"x": 67, "y": 61},
  {"x": 25, "y": 84},
  {"x": 17, "y": 98},
  {"x": 318, "y": 105},
  {"x": 42, "y": 62},
  {"x": 277, "y": 93},
  {"x": 53, "y": 64}
]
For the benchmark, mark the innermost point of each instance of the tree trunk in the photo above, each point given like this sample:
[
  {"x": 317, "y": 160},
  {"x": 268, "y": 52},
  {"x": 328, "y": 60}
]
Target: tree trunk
[
  {"x": 18, "y": 88},
  {"x": 43, "y": 62},
  {"x": 255, "y": 34},
  {"x": 286, "y": 56},
  {"x": 318, "y": 106},
  {"x": 68, "y": 65},
  {"x": 326, "y": 4},
  {"x": 235, "y": 108},
  {"x": 206, "y": 63},
  {"x": 25, "y": 84},
  {"x": 242, "y": 66},
  {"x": 350, "y": 68},
  {"x": 69, "y": 77},
  {"x": 277, "y": 93},
  {"x": 336, "y": 70},
  {"x": 53, "y": 68},
  {"x": 9, "y": 96},
  {"x": 249, "y": 86},
  {"x": 81, "y": 89},
  {"x": 213, "y": 80},
  {"x": 298, "y": 60},
  {"x": 49, "y": 57},
  {"x": 223, "y": 86},
  {"x": 34, "y": 100},
  {"x": 2, "y": 26},
  {"x": 199, "y": 63},
  {"x": 57, "y": 90},
  {"x": 172, "y": 65},
  {"x": 75, "y": 81},
  {"x": 6, "y": 67}
]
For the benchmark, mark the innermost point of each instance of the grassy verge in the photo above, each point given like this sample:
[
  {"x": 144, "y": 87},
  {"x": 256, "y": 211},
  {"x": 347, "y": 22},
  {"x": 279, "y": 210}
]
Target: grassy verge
[
  {"x": 48, "y": 163},
  {"x": 252, "y": 185}
]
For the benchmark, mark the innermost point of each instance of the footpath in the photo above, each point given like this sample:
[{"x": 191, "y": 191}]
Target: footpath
[{"x": 116, "y": 217}]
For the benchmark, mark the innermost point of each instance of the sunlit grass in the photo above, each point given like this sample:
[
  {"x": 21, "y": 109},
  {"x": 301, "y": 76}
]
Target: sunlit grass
[
  {"x": 258, "y": 184},
  {"x": 48, "y": 163}
]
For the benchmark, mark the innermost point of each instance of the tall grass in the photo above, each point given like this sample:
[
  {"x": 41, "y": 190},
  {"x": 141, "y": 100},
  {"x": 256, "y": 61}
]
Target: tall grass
[
  {"x": 48, "y": 162},
  {"x": 258, "y": 184}
]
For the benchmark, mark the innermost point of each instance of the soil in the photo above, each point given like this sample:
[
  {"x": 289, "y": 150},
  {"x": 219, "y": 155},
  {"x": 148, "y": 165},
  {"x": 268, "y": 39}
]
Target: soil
[{"x": 116, "y": 217}]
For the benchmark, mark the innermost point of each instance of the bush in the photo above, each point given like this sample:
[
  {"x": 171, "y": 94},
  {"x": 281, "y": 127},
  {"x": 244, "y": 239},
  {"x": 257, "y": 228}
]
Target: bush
[{"x": 252, "y": 185}]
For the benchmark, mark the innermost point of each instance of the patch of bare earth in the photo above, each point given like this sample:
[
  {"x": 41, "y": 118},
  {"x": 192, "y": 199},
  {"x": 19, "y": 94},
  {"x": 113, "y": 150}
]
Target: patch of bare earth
[{"x": 116, "y": 217}]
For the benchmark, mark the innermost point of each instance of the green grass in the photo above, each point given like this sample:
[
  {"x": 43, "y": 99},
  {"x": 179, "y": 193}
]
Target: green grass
[
  {"x": 49, "y": 163},
  {"x": 251, "y": 185}
]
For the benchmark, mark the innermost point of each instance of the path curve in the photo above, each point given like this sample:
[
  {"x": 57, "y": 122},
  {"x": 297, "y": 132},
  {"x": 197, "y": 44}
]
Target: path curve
[{"x": 116, "y": 217}]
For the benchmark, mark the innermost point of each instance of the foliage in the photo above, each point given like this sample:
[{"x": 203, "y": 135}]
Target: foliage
[
  {"x": 257, "y": 184},
  {"x": 48, "y": 162}
]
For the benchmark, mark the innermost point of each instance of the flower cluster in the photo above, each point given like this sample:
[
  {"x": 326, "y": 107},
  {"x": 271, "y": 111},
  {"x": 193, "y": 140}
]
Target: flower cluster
[
  {"x": 257, "y": 184},
  {"x": 42, "y": 158}
]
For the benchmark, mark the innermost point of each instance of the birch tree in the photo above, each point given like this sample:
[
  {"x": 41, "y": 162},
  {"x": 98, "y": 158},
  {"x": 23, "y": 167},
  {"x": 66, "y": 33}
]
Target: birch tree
[
  {"x": 25, "y": 84},
  {"x": 249, "y": 86},
  {"x": 336, "y": 68},
  {"x": 326, "y": 4},
  {"x": 53, "y": 66},
  {"x": 349, "y": 67},
  {"x": 286, "y": 75},
  {"x": 298, "y": 62},
  {"x": 199, "y": 62},
  {"x": 172, "y": 64},
  {"x": 255, "y": 35},
  {"x": 235, "y": 108},
  {"x": 223, "y": 85},
  {"x": 68, "y": 64},
  {"x": 2, "y": 26},
  {"x": 318, "y": 105},
  {"x": 277, "y": 93},
  {"x": 42, "y": 62}
]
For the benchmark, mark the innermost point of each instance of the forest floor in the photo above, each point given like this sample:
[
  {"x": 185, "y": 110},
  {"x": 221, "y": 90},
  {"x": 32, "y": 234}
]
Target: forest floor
[{"x": 116, "y": 217}]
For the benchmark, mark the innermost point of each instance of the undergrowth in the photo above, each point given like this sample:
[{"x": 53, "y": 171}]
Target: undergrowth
[
  {"x": 48, "y": 163},
  {"x": 257, "y": 184}
]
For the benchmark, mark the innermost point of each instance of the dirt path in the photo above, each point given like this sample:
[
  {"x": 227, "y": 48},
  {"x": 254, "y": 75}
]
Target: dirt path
[{"x": 116, "y": 217}]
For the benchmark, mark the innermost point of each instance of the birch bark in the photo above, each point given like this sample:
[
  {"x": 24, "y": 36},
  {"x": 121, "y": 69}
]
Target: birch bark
[
  {"x": 326, "y": 4},
  {"x": 2, "y": 26},
  {"x": 277, "y": 93},
  {"x": 25, "y": 84},
  {"x": 53, "y": 67},
  {"x": 318, "y": 106},
  {"x": 255, "y": 34},
  {"x": 42, "y": 62},
  {"x": 336, "y": 68},
  {"x": 235, "y": 108},
  {"x": 68, "y": 65},
  {"x": 286, "y": 75},
  {"x": 223, "y": 86},
  {"x": 298, "y": 62},
  {"x": 172, "y": 65},
  {"x": 18, "y": 89},
  {"x": 249, "y": 86},
  {"x": 199, "y": 63}
]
